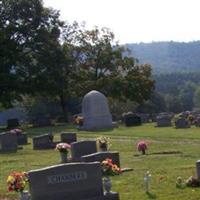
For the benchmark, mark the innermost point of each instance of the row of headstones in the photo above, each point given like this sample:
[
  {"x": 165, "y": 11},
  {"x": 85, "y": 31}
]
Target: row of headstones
[
  {"x": 166, "y": 121},
  {"x": 82, "y": 177},
  {"x": 84, "y": 151}
]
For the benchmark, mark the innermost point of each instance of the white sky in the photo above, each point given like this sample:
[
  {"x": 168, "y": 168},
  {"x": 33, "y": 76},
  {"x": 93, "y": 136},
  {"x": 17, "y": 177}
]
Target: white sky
[{"x": 136, "y": 20}]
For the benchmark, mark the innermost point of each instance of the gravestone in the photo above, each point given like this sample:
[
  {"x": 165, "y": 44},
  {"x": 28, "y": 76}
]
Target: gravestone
[
  {"x": 12, "y": 123},
  {"x": 72, "y": 181},
  {"x": 22, "y": 139},
  {"x": 182, "y": 123},
  {"x": 95, "y": 112},
  {"x": 82, "y": 148},
  {"x": 43, "y": 142},
  {"x": 198, "y": 169},
  {"x": 68, "y": 137},
  {"x": 131, "y": 119},
  {"x": 197, "y": 121},
  {"x": 100, "y": 156},
  {"x": 163, "y": 121},
  {"x": 8, "y": 142}
]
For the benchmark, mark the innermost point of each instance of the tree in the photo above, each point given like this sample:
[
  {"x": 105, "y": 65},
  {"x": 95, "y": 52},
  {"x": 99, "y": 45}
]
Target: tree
[
  {"x": 155, "y": 104},
  {"x": 25, "y": 29},
  {"x": 107, "y": 67},
  {"x": 173, "y": 104},
  {"x": 197, "y": 99},
  {"x": 186, "y": 95}
]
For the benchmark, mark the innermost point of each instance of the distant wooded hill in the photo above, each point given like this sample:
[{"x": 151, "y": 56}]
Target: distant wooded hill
[{"x": 168, "y": 57}]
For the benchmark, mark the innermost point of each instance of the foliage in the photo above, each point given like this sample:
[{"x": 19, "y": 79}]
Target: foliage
[
  {"x": 63, "y": 147},
  {"x": 103, "y": 142},
  {"x": 197, "y": 98},
  {"x": 24, "y": 36},
  {"x": 17, "y": 181},
  {"x": 109, "y": 169},
  {"x": 192, "y": 182},
  {"x": 105, "y": 66},
  {"x": 170, "y": 56},
  {"x": 79, "y": 120}
]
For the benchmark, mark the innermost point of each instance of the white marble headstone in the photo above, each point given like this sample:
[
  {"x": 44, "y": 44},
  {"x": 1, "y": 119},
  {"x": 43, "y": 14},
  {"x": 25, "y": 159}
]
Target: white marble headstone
[{"x": 95, "y": 112}]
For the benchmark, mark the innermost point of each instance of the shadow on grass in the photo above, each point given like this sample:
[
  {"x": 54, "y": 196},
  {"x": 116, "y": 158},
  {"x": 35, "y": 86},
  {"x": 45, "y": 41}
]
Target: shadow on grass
[
  {"x": 160, "y": 153},
  {"x": 151, "y": 195}
]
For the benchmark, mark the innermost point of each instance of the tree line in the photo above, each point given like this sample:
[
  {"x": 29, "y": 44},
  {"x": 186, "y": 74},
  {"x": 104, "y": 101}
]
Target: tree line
[{"x": 174, "y": 92}]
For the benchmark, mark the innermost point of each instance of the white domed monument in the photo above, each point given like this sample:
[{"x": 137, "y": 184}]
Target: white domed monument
[{"x": 95, "y": 112}]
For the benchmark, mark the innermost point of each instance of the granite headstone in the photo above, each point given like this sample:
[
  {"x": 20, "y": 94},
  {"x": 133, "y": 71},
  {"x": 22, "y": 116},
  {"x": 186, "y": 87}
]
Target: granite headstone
[
  {"x": 82, "y": 148},
  {"x": 72, "y": 181},
  {"x": 163, "y": 121},
  {"x": 95, "y": 112},
  {"x": 43, "y": 142},
  {"x": 68, "y": 137},
  {"x": 100, "y": 156},
  {"x": 8, "y": 142},
  {"x": 182, "y": 123}
]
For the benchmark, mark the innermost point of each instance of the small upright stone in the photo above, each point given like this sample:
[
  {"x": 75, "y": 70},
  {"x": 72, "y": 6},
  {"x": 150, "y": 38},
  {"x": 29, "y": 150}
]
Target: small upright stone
[
  {"x": 95, "y": 111},
  {"x": 198, "y": 169}
]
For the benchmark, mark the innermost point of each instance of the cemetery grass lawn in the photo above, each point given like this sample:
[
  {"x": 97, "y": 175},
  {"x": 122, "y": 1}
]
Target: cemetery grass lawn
[{"x": 172, "y": 153}]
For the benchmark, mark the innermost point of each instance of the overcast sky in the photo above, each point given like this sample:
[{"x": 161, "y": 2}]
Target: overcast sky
[{"x": 136, "y": 20}]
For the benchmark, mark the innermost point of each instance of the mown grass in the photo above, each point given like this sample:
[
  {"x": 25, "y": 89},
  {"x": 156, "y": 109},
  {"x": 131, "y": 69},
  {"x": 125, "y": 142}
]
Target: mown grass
[{"x": 172, "y": 153}]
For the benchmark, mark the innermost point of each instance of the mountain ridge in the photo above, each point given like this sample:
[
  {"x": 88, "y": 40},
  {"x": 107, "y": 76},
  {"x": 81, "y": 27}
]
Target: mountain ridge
[{"x": 168, "y": 57}]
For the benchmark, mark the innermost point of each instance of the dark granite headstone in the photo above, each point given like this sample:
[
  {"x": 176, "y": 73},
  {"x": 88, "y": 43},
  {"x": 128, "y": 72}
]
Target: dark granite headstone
[
  {"x": 82, "y": 148},
  {"x": 8, "y": 142},
  {"x": 197, "y": 121},
  {"x": 72, "y": 181},
  {"x": 43, "y": 142},
  {"x": 100, "y": 156},
  {"x": 68, "y": 137},
  {"x": 163, "y": 121},
  {"x": 131, "y": 119},
  {"x": 182, "y": 123},
  {"x": 22, "y": 139}
]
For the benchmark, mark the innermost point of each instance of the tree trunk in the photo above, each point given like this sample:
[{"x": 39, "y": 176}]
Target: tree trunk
[{"x": 64, "y": 107}]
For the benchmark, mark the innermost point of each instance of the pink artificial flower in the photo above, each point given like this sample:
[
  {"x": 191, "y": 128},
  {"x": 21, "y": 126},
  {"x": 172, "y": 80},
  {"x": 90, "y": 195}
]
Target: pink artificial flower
[
  {"x": 16, "y": 131},
  {"x": 142, "y": 146}
]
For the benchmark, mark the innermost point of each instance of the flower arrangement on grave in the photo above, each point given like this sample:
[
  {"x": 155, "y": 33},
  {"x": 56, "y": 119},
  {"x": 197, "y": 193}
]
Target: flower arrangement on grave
[
  {"x": 109, "y": 169},
  {"x": 142, "y": 146},
  {"x": 180, "y": 183},
  {"x": 103, "y": 143},
  {"x": 79, "y": 120},
  {"x": 192, "y": 182},
  {"x": 16, "y": 131},
  {"x": 17, "y": 181},
  {"x": 63, "y": 147}
]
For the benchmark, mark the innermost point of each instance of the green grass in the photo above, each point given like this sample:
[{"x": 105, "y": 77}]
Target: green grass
[{"x": 185, "y": 142}]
